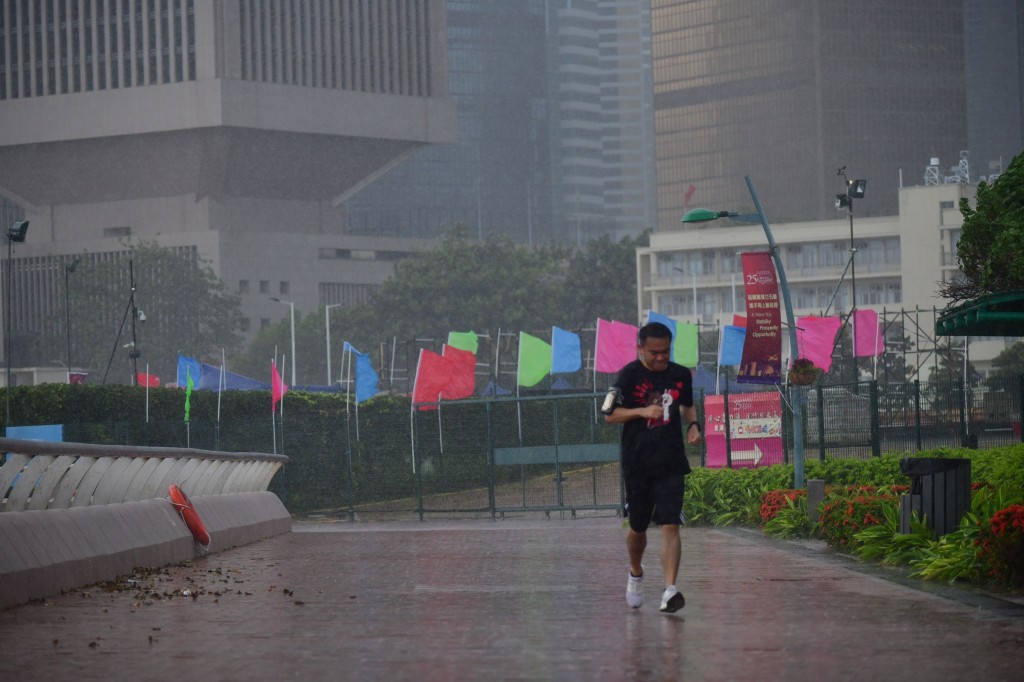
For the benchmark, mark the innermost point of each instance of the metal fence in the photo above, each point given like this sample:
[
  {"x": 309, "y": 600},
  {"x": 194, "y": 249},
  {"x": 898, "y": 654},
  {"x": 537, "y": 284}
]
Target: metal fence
[{"x": 550, "y": 453}]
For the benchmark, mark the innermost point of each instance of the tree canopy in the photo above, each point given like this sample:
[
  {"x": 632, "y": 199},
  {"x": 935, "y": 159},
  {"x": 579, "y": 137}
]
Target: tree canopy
[
  {"x": 186, "y": 308},
  {"x": 991, "y": 246},
  {"x": 466, "y": 284}
]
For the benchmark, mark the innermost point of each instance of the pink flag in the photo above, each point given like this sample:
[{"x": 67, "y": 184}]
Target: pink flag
[
  {"x": 277, "y": 387},
  {"x": 815, "y": 338},
  {"x": 615, "y": 345},
  {"x": 867, "y": 334},
  {"x": 463, "y": 372},
  {"x": 739, "y": 321}
]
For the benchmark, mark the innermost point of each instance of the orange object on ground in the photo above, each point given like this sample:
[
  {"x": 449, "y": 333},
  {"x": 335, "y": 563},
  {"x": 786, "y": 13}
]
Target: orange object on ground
[{"x": 189, "y": 515}]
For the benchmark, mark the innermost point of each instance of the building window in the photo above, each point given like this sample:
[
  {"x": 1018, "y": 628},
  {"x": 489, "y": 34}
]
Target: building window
[
  {"x": 116, "y": 232},
  {"x": 244, "y": 324},
  {"x": 264, "y": 286},
  {"x": 284, "y": 288},
  {"x": 945, "y": 205},
  {"x": 243, "y": 286}
]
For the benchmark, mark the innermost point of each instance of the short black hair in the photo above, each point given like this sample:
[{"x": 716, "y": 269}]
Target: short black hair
[{"x": 653, "y": 330}]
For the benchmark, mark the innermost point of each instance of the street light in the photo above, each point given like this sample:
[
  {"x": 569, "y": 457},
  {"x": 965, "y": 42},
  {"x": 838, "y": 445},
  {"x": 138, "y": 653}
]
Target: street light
[
  {"x": 290, "y": 304},
  {"x": 699, "y": 215},
  {"x": 327, "y": 328},
  {"x": 15, "y": 233},
  {"x": 68, "y": 269},
  {"x": 854, "y": 190}
]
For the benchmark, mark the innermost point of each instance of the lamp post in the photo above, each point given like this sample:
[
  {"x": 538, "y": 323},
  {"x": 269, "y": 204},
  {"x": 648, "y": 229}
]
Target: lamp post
[
  {"x": 327, "y": 329},
  {"x": 291, "y": 305},
  {"x": 854, "y": 190},
  {"x": 15, "y": 233},
  {"x": 698, "y": 215},
  {"x": 68, "y": 269}
]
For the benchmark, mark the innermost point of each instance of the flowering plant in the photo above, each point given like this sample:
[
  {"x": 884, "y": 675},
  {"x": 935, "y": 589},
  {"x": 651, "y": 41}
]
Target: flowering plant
[
  {"x": 1001, "y": 546},
  {"x": 843, "y": 516},
  {"x": 774, "y": 501}
]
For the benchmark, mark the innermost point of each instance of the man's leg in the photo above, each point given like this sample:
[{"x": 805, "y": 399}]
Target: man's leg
[
  {"x": 670, "y": 553},
  {"x": 636, "y": 543}
]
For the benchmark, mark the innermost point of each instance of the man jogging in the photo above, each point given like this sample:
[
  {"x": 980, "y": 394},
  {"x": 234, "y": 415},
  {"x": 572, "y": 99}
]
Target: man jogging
[{"x": 656, "y": 400}]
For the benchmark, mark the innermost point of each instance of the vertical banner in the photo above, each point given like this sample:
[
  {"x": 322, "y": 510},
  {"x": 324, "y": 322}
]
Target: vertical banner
[
  {"x": 755, "y": 426},
  {"x": 762, "y": 348}
]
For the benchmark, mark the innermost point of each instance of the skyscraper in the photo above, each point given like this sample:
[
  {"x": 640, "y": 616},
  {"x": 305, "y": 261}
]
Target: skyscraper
[
  {"x": 789, "y": 91},
  {"x": 556, "y": 135}
]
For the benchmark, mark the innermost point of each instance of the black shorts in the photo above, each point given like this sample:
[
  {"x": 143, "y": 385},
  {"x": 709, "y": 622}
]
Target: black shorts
[{"x": 654, "y": 499}]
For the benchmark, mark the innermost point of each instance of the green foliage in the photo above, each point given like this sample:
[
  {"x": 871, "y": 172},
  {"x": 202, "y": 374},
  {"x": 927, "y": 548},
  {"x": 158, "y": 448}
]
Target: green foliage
[
  {"x": 1007, "y": 367},
  {"x": 791, "y": 521},
  {"x": 991, "y": 246},
  {"x": 724, "y": 497},
  {"x": 877, "y": 471},
  {"x": 848, "y": 511},
  {"x": 464, "y": 284},
  {"x": 187, "y": 309}
]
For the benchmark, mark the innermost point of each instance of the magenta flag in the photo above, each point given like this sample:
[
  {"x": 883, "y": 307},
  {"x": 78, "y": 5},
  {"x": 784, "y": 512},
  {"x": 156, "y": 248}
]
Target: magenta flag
[
  {"x": 762, "y": 347},
  {"x": 615, "y": 346},
  {"x": 815, "y": 338},
  {"x": 867, "y": 334}
]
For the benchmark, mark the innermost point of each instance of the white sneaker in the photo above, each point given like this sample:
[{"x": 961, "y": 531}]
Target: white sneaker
[
  {"x": 634, "y": 590},
  {"x": 672, "y": 600}
]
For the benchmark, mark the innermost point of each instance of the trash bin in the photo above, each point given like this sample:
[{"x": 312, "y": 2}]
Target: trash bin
[{"x": 940, "y": 492}]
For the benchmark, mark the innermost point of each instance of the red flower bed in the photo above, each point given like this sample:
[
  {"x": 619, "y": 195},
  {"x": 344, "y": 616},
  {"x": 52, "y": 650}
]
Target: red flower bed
[
  {"x": 843, "y": 517},
  {"x": 773, "y": 501},
  {"x": 1001, "y": 546}
]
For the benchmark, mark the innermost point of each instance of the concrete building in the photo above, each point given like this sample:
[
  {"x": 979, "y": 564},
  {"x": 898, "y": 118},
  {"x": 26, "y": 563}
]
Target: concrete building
[
  {"x": 229, "y": 128},
  {"x": 789, "y": 91},
  {"x": 696, "y": 276}
]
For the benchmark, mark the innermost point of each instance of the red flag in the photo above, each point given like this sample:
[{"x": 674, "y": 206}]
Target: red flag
[
  {"x": 739, "y": 321},
  {"x": 77, "y": 377},
  {"x": 433, "y": 376},
  {"x": 277, "y": 387},
  {"x": 688, "y": 195},
  {"x": 463, "y": 372},
  {"x": 147, "y": 380}
]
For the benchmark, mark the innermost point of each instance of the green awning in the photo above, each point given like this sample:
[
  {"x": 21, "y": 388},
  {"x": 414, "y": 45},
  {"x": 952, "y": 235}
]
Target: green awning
[{"x": 992, "y": 315}]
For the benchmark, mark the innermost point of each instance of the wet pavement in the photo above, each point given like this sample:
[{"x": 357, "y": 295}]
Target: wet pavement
[{"x": 510, "y": 600}]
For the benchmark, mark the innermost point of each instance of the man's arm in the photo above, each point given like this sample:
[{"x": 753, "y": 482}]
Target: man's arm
[
  {"x": 621, "y": 415},
  {"x": 691, "y": 426}
]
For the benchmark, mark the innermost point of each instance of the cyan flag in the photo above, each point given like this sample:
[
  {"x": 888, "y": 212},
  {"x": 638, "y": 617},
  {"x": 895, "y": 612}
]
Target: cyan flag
[
  {"x": 366, "y": 377},
  {"x": 186, "y": 366},
  {"x": 565, "y": 351}
]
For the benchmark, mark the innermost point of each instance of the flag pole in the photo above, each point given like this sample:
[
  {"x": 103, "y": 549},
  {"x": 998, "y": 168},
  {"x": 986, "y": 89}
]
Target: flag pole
[
  {"x": 283, "y": 359},
  {"x": 519, "y": 402},
  {"x": 147, "y": 391},
  {"x": 220, "y": 383},
  {"x": 273, "y": 420},
  {"x": 351, "y": 382}
]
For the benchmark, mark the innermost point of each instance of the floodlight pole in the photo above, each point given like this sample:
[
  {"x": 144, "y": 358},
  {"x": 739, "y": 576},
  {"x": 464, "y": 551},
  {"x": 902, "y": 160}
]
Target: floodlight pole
[
  {"x": 853, "y": 295},
  {"x": 798, "y": 411},
  {"x": 7, "y": 330}
]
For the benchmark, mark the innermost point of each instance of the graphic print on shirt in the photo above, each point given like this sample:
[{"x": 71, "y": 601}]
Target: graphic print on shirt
[{"x": 644, "y": 393}]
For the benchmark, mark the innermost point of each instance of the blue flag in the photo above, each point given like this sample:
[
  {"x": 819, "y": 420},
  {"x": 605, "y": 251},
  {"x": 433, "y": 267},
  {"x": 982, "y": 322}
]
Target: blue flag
[
  {"x": 366, "y": 377},
  {"x": 187, "y": 366},
  {"x": 565, "y": 351},
  {"x": 730, "y": 354}
]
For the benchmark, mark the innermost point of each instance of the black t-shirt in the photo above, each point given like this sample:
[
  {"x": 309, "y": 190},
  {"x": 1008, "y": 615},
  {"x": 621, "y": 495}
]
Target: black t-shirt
[{"x": 654, "y": 447}]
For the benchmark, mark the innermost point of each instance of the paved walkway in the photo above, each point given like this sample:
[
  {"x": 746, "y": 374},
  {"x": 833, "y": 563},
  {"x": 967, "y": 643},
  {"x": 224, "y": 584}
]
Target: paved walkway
[{"x": 509, "y": 600}]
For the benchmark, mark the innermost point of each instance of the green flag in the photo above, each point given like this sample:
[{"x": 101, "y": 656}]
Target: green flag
[
  {"x": 189, "y": 384},
  {"x": 685, "y": 349},
  {"x": 463, "y": 341},
  {"x": 534, "y": 360}
]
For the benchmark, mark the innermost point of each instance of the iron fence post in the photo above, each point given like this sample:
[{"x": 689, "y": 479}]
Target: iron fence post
[
  {"x": 728, "y": 430},
  {"x": 490, "y": 461},
  {"x": 917, "y": 415},
  {"x": 876, "y": 431},
  {"x": 821, "y": 424}
]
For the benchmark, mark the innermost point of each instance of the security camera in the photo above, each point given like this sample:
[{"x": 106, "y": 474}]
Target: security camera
[{"x": 142, "y": 315}]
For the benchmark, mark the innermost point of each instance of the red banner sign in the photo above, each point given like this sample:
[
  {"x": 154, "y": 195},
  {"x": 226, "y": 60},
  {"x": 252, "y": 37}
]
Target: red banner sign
[{"x": 762, "y": 348}]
